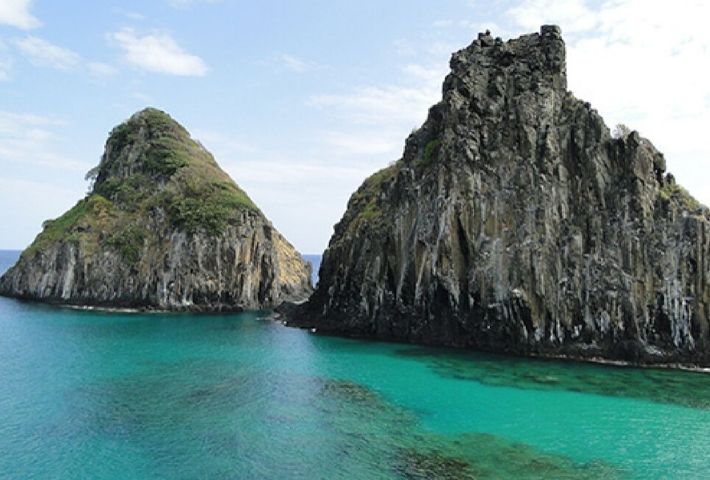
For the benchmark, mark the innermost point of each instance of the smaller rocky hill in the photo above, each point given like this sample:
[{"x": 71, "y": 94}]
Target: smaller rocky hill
[{"x": 164, "y": 227}]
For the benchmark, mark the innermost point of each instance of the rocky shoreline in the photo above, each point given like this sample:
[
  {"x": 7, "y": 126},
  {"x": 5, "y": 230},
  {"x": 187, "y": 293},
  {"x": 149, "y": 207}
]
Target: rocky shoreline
[{"x": 291, "y": 320}]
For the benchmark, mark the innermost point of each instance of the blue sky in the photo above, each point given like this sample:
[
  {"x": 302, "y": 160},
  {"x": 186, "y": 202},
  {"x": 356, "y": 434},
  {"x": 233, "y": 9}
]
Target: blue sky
[{"x": 300, "y": 101}]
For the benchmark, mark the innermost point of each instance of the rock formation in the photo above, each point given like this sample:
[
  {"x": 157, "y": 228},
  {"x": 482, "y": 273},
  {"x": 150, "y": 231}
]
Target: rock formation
[
  {"x": 162, "y": 228},
  {"x": 515, "y": 222}
]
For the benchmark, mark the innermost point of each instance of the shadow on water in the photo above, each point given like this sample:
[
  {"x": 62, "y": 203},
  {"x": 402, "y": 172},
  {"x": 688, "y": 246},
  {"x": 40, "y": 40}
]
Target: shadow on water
[
  {"x": 688, "y": 389},
  {"x": 228, "y": 420}
]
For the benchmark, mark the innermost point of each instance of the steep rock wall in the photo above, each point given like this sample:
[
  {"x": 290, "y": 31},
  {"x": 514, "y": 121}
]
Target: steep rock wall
[{"x": 514, "y": 222}]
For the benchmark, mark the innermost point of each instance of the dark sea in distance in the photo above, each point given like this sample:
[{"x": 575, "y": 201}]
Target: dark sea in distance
[{"x": 92, "y": 395}]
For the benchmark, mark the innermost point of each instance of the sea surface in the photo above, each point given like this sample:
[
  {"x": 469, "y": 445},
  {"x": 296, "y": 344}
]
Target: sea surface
[{"x": 90, "y": 395}]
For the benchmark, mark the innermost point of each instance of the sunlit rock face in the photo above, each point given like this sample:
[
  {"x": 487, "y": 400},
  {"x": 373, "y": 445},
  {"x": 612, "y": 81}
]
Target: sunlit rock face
[
  {"x": 515, "y": 222},
  {"x": 163, "y": 227}
]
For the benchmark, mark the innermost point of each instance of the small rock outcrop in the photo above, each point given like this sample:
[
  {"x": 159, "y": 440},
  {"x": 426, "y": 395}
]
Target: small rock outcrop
[
  {"x": 515, "y": 222},
  {"x": 163, "y": 227}
]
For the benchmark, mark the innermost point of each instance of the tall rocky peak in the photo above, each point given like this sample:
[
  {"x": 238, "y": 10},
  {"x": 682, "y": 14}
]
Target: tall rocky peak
[
  {"x": 516, "y": 222},
  {"x": 163, "y": 227},
  {"x": 530, "y": 62}
]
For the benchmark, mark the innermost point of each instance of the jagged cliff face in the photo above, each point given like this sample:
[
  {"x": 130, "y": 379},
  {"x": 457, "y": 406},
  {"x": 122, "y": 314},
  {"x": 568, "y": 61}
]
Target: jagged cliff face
[
  {"x": 515, "y": 222},
  {"x": 162, "y": 228}
]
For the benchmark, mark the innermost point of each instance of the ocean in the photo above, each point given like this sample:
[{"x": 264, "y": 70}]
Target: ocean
[{"x": 87, "y": 394}]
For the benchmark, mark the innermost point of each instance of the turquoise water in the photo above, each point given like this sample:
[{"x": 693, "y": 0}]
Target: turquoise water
[{"x": 115, "y": 396}]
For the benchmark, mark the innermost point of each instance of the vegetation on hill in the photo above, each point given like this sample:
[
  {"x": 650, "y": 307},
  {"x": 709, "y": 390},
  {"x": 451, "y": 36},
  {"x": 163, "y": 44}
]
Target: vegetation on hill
[{"x": 151, "y": 169}]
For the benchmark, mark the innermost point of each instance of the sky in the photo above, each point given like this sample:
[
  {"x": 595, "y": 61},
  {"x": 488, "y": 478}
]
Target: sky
[{"x": 300, "y": 101}]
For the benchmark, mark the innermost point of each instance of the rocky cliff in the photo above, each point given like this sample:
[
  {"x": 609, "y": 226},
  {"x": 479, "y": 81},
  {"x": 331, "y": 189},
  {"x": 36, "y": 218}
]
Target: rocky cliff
[
  {"x": 162, "y": 228},
  {"x": 515, "y": 222}
]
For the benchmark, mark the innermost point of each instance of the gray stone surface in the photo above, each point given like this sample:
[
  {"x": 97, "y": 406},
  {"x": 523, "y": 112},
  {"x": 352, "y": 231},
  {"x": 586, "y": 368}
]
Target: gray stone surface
[{"x": 515, "y": 223}]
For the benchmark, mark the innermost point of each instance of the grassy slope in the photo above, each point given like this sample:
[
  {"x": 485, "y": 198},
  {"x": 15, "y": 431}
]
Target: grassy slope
[{"x": 172, "y": 173}]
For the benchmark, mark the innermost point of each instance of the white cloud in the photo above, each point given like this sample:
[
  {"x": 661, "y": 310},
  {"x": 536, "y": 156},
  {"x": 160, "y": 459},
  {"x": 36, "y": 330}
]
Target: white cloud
[
  {"x": 5, "y": 69},
  {"x": 373, "y": 121},
  {"x": 222, "y": 145},
  {"x": 270, "y": 172},
  {"x": 474, "y": 27},
  {"x": 645, "y": 64},
  {"x": 363, "y": 143},
  {"x": 5, "y": 63},
  {"x": 42, "y": 53},
  {"x": 295, "y": 64},
  {"x": 45, "y": 54},
  {"x": 292, "y": 63},
  {"x": 381, "y": 104},
  {"x": 188, "y": 3},
  {"x": 157, "y": 52},
  {"x": 100, "y": 69},
  {"x": 444, "y": 23},
  {"x": 16, "y": 13},
  {"x": 142, "y": 97},
  {"x": 129, "y": 14},
  {"x": 30, "y": 149},
  {"x": 404, "y": 48},
  {"x": 31, "y": 140},
  {"x": 573, "y": 15},
  {"x": 27, "y": 212}
]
